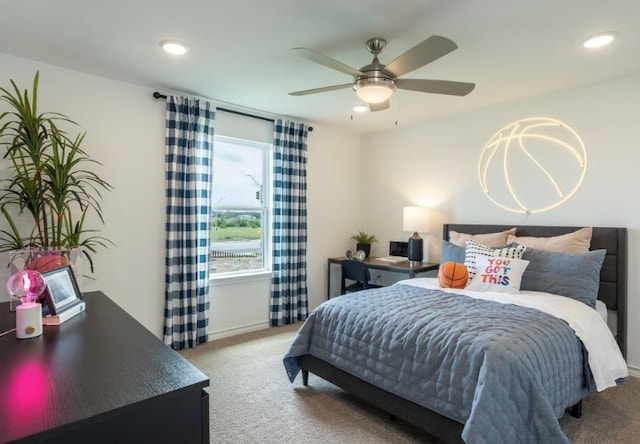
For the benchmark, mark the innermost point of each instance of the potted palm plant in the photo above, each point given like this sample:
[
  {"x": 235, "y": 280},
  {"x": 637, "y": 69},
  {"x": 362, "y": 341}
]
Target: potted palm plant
[
  {"x": 364, "y": 241},
  {"x": 50, "y": 191}
]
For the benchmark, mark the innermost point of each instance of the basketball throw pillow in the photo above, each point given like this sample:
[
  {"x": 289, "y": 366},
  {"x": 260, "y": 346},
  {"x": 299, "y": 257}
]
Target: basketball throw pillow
[{"x": 452, "y": 275}]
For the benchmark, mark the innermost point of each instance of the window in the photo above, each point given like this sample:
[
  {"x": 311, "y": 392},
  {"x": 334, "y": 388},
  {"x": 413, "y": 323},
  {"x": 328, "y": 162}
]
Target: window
[{"x": 240, "y": 206}]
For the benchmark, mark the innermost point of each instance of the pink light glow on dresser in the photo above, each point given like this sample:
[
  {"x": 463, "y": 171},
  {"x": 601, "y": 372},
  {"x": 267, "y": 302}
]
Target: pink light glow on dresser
[{"x": 28, "y": 395}]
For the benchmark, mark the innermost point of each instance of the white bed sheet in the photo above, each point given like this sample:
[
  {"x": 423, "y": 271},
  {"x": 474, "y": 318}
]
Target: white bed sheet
[
  {"x": 605, "y": 359},
  {"x": 601, "y": 308}
]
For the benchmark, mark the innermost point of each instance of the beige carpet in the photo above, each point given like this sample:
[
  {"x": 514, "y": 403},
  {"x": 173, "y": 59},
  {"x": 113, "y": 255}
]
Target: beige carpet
[{"x": 252, "y": 401}]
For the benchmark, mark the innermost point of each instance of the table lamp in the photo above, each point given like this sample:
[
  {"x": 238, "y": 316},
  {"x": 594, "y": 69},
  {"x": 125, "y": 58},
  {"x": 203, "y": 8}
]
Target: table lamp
[
  {"x": 415, "y": 219},
  {"x": 27, "y": 285}
]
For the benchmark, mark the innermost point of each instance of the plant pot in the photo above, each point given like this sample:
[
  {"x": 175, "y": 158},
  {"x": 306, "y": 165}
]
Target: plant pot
[{"x": 364, "y": 247}]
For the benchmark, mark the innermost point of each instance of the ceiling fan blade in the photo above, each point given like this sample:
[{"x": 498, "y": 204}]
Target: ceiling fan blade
[
  {"x": 379, "y": 106},
  {"x": 436, "y": 86},
  {"x": 319, "y": 90},
  {"x": 429, "y": 50},
  {"x": 327, "y": 61}
]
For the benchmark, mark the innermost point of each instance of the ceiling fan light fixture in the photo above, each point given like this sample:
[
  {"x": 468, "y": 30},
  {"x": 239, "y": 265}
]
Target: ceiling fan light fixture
[
  {"x": 360, "y": 108},
  {"x": 599, "y": 40},
  {"x": 374, "y": 90},
  {"x": 174, "y": 47}
]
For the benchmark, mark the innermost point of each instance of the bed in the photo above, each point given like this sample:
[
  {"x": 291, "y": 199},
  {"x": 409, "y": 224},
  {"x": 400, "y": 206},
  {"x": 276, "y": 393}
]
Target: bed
[{"x": 465, "y": 404}]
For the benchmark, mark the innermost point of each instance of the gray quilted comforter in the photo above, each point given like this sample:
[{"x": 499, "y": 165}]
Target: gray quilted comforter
[{"x": 506, "y": 372}]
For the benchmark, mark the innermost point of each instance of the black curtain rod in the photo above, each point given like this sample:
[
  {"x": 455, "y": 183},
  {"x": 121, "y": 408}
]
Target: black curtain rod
[{"x": 157, "y": 95}]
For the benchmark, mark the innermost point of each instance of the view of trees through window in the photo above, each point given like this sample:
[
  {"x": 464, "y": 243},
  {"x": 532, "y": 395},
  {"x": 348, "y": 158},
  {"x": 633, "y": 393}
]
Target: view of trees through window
[{"x": 239, "y": 211}]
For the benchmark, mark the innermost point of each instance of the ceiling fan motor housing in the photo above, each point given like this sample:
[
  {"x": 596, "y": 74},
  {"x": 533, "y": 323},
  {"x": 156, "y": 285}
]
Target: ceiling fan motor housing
[{"x": 376, "y": 45}]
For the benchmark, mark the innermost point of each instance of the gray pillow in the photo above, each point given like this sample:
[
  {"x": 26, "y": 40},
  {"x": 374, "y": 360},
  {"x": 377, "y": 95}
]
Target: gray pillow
[
  {"x": 451, "y": 253},
  {"x": 575, "y": 275}
]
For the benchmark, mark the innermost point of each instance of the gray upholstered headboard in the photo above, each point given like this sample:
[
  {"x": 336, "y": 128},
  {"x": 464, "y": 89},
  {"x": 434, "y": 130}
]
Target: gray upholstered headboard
[{"x": 613, "y": 276}]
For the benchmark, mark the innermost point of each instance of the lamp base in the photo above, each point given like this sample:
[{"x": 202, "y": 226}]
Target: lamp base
[
  {"x": 28, "y": 320},
  {"x": 415, "y": 248}
]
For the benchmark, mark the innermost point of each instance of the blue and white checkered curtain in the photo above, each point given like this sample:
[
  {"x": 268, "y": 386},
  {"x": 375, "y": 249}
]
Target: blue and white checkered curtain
[
  {"x": 189, "y": 153},
  {"x": 289, "y": 299}
]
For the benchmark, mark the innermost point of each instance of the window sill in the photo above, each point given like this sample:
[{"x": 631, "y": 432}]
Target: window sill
[{"x": 237, "y": 278}]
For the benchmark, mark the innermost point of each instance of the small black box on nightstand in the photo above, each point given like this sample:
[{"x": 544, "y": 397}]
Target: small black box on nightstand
[{"x": 398, "y": 248}]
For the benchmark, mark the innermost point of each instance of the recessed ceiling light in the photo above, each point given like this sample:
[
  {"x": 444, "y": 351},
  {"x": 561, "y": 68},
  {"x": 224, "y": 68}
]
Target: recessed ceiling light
[
  {"x": 174, "y": 47},
  {"x": 599, "y": 40},
  {"x": 360, "y": 109}
]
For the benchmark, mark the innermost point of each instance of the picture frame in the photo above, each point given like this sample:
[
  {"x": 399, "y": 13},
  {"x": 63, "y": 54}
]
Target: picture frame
[{"x": 62, "y": 292}]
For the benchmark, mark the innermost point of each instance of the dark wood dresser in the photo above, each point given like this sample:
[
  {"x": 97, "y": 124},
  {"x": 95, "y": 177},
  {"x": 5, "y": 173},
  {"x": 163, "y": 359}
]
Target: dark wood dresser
[{"x": 100, "y": 378}]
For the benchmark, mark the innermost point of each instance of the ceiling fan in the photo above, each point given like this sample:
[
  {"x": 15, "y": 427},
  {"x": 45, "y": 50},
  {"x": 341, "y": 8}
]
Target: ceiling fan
[{"x": 375, "y": 83}]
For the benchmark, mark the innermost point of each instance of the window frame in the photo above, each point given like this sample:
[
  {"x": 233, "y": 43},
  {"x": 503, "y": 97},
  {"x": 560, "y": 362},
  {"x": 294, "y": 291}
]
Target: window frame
[{"x": 265, "y": 208}]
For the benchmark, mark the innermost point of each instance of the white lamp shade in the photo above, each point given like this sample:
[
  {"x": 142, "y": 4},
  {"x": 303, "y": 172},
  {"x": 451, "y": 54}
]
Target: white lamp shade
[
  {"x": 374, "y": 90},
  {"x": 415, "y": 219},
  {"x": 374, "y": 93}
]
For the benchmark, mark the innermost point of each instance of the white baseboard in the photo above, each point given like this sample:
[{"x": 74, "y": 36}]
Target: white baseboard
[
  {"x": 219, "y": 334},
  {"x": 633, "y": 371}
]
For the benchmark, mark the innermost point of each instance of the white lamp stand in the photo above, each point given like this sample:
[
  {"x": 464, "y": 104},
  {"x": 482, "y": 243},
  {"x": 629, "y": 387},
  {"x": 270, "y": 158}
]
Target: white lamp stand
[{"x": 28, "y": 320}]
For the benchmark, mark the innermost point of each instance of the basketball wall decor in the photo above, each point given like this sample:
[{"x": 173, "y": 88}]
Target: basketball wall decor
[
  {"x": 532, "y": 165},
  {"x": 453, "y": 275}
]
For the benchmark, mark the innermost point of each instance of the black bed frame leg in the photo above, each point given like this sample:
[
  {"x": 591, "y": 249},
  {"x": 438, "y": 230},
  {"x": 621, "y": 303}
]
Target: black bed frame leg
[
  {"x": 576, "y": 410},
  {"x": 305, "y": 377}
]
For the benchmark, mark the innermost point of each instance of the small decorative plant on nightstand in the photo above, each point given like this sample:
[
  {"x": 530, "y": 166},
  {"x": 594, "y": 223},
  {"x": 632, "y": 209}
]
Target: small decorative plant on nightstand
[{"x": 364, "y": 241}]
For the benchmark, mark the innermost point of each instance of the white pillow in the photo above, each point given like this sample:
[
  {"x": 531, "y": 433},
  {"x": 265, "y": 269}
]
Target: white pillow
[
  {"x": 475, "y": 250},
  {"x": 498, "y": 274}
]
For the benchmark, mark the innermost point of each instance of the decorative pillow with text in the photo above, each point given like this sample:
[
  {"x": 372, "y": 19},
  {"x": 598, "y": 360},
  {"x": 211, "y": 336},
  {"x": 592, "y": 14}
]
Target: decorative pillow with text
[
  {"x": 498, "y": 274},
  {"x": 475, "y": 251}
]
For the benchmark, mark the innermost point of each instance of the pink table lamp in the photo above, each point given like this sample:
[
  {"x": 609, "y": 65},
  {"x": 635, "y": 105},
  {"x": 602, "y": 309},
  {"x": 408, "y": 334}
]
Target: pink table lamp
[{"x": 27, "y": 285}]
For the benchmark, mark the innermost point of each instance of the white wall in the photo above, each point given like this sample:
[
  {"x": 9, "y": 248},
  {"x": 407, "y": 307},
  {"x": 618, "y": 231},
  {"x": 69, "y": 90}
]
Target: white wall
[
  {"x": 125, "y": 131},
  {"x": 434, "y": 163},
  {"x": 334, "y": 197}
]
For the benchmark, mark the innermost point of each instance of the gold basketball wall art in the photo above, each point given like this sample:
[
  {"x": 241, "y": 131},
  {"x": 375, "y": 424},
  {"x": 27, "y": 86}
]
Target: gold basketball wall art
[{"x": 532, "y": 165}]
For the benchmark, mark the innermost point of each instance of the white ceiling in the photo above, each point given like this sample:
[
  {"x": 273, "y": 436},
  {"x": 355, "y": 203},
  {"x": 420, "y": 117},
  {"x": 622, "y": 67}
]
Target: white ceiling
[{"x": 239, "y": 54}]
